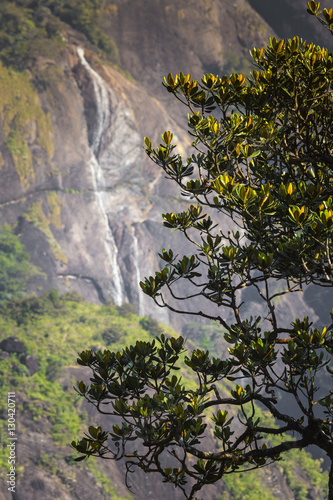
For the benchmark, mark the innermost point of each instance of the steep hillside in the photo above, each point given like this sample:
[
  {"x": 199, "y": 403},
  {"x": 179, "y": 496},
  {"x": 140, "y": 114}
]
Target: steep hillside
[
  {"x": 39, "y": 342},
  {"x": 75, "y": 180},
  {"x": 197, "y": 36},
  {"x": 76, "y": 183},
  {"x": 80, "y": 86}
]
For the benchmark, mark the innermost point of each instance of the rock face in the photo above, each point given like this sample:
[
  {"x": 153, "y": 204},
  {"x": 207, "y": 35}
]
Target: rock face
[
  {"x": 290, "y": 18},
  {"x": 83, "y": 197},
  {"x": 194, "y": 36},
  {"x": 87, "y": 202},
  {"x": 91, "y": 197}
]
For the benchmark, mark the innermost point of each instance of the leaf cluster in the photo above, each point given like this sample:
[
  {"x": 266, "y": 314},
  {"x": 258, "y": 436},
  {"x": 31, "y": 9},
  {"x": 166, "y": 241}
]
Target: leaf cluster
[
  {"x": 266, "y": 164},
  {"x": 139, "y": 385},
  {"x": 324, "y": 16},
  {"x": 61, "y": 328},
  {"x": 260, "y": 218}
]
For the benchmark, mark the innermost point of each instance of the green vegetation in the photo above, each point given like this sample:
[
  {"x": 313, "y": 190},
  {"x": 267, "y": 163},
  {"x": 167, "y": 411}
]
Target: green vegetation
[
  {"x": 262, "y": 166},
  {"x": 20, "y": 113},
  {"x": 87, "y": 16},
  {"x": 27, "y": 32},
  {"x": 152, "y": 326},
  {"x": 15, "y": 266},
  {"x": 32, "y": 37},
  {"x": 54, "y": 328},
  {"x": 42, "y": 221},
  {"x": 247, "y": 486},
  {"x": 31, "y": 28},
  {"x": 235, "y": 63},
  {"x": 106, "y": 482}
]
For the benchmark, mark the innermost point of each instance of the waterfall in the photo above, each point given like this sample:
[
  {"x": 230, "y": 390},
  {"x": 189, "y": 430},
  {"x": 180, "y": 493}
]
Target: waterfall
[
  {"x": 102, "y": 95},
  {"x": 137, "y": 272}
]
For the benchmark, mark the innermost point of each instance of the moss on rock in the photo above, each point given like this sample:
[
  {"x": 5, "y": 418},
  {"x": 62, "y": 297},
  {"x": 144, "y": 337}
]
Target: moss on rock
[
  {"x": 24, "y": 121},
  {"x": 37, "y": 216}
]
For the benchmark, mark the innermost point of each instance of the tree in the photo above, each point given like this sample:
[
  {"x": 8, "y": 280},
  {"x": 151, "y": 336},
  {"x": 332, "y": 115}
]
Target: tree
[
  {"x": 263, "y": 165},
  {"x": 15, "y": 266}
]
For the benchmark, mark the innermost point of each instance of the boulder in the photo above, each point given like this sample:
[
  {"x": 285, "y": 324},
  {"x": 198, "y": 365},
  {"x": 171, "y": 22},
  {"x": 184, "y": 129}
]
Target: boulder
[{"x": 12, "y": 344}]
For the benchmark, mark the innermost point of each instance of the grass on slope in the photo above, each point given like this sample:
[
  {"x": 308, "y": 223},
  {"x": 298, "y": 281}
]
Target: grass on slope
[{"x": 54, "y": 329}]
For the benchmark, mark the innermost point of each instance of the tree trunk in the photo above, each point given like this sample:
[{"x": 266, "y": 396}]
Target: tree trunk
[{"x": 330, "y": 482}]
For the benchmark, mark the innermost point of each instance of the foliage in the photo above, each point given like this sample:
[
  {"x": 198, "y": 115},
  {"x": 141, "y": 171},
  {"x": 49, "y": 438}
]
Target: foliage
[
  {"x": 42, "y": 221},
  {"x": 19, "y": 109},
  {"x": 107, "y": 483},
  {"x": 86, "y": 16},
  {"x": 235, "y": 63},
  {"x": 54, "y": 328},
  {"x": 262, "y": 164},
  {"x": 112, "y": 334},
  {"x": 25, "y": 34},
  {"x": 30, "y": 308},
  {"x": 126, "y": 310},
  {"x": 151, "y": 325},
  {"x": 15, "y": 266},
  {"x": 31, "y": 28},
  {"x": 325, "y": 16}
]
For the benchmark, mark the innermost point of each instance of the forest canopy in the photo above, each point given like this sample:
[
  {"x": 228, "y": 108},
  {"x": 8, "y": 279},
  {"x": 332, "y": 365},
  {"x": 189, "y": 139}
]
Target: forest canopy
[{"x": 31, "y": 28}]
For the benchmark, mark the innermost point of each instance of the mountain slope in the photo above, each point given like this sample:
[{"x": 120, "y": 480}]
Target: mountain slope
[
  {"x": 77, "y": 95},
  {"x": 39, "y": 341},
  {"x": 75, "y": 180},
  {"x": 76, "y": 183}
]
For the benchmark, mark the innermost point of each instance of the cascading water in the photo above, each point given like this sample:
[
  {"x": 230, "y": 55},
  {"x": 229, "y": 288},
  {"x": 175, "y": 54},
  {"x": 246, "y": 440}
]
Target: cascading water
[
  {"x": 137, "y": 272},
  {"x": 102, "y": 95}
]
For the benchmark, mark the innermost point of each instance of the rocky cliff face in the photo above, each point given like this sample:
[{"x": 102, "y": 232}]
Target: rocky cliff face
[
  {"x": 75, "y": 180},
  {"x": 86, "y": 200},
  {"x": 81, "y": 210},
  {"x": 290, "y": 18}
]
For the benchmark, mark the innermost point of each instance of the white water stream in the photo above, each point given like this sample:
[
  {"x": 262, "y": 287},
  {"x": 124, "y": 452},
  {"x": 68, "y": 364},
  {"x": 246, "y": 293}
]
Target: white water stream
[
  {"x": 137, "y": 272},
  {"x": 102, "y": 94}
]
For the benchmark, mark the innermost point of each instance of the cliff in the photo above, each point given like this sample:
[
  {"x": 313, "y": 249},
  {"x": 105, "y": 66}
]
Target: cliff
[
  {"x": 76, "y": 101},
  {"x": 86, "y": 201}
]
